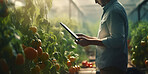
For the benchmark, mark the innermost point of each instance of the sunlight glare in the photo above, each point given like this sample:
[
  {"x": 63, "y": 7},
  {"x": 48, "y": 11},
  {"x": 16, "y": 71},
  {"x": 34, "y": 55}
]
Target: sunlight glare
[{"x": 19, "y": 3}]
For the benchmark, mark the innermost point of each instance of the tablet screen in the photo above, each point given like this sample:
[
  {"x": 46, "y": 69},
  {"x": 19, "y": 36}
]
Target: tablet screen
[{"x": 72, "y": 33}]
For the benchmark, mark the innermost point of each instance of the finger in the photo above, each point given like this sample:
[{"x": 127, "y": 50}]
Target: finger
[
  {"x": 81, "y": 38},
  {"x": 79, "y": 34}
]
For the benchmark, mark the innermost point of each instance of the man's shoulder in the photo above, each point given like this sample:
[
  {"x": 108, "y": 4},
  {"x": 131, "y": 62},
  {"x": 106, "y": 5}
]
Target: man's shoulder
[{"x": 116, "y": 8}]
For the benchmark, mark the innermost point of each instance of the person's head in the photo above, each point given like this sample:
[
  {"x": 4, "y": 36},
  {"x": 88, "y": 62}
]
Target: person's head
[{"x": 102, "y": 2}]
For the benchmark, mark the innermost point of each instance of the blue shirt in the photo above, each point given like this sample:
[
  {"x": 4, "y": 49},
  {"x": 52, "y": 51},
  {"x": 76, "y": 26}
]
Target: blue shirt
[{"x": 113, "y": 32}]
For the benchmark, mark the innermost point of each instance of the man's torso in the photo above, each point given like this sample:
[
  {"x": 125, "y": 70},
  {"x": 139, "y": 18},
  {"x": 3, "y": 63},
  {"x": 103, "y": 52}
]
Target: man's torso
[{"x": 111, "y": 56}]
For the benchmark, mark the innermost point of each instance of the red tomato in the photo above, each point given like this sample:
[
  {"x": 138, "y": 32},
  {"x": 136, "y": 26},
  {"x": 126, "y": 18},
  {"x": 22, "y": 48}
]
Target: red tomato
[
  {"x": 90, "y": 66},
  {"x": 20, "y": 59},
  {"x": 69, "y": 63},
  {"x": 76, "y": 67},
  {"x": 44, "y": 56},
  {"x": 30, "y": 53},
  {"x": 84, "y": 63},
  {"x": 71, "y": 70},
  {"x": 89, "y": 63}
]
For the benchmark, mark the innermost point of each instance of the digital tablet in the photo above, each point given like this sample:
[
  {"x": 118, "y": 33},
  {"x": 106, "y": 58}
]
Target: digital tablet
[{"x": 72, "y": 33}]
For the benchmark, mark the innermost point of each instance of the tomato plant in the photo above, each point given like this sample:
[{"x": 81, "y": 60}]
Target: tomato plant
[
  {"x": 31, "y": 43},
  {"x": 139, "y": 43}
]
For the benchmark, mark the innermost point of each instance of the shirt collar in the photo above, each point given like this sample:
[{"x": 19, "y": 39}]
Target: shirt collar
[{"x": 108, "y": 4}]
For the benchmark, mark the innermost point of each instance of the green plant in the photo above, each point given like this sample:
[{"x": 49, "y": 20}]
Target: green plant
[
  {"x": 139, "y": 43},
  {"x": 29, "y": 26}
]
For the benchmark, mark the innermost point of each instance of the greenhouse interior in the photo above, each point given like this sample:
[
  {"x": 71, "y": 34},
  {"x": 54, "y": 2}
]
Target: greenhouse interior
[{"x": 73, "y": 37}]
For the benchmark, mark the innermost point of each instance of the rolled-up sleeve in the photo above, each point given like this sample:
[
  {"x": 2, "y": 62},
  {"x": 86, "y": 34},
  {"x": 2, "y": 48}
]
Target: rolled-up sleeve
[{"x": 116, "y": 29}]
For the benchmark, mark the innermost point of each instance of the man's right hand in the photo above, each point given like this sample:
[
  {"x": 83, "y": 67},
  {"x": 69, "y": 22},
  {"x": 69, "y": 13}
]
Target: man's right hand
[{"x": 83, "y": 41}]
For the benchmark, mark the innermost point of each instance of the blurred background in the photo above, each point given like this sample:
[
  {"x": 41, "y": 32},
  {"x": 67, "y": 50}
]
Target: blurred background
[{"x": 89, "y": 11}]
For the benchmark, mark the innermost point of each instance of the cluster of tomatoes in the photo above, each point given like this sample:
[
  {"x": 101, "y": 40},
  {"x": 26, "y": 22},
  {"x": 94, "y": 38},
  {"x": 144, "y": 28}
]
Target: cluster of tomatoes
[
  {"x": 39, "y": 58},
  {"x": 33, "y": 54},
  {"x": 33, "y": 59},
  {"x": 87, "y": 64},
  {"x": 71, "y": 64},
  {"x": 15, "y": 60},
  {"x": 36, "y": 54}
]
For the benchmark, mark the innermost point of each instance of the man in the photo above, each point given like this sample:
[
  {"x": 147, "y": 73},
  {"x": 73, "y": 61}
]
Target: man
[{"x": 111, "y": 54}]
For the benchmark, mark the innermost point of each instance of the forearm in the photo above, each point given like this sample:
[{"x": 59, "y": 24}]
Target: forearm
[
  {"x": 87, "y": 41},
  {"x": 95, "y": 42}
]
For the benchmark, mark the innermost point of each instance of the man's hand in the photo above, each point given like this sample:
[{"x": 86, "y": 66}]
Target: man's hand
[
  {"x": 83, "y": 41},
  {"x": 83, "y": 35}
]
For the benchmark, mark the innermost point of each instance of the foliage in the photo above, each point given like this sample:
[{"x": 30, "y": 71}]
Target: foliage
[
  {"x": 139, "y": 43},
  {"x": 27, "y": 30},
  {"x": 139, "y": 33}
]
